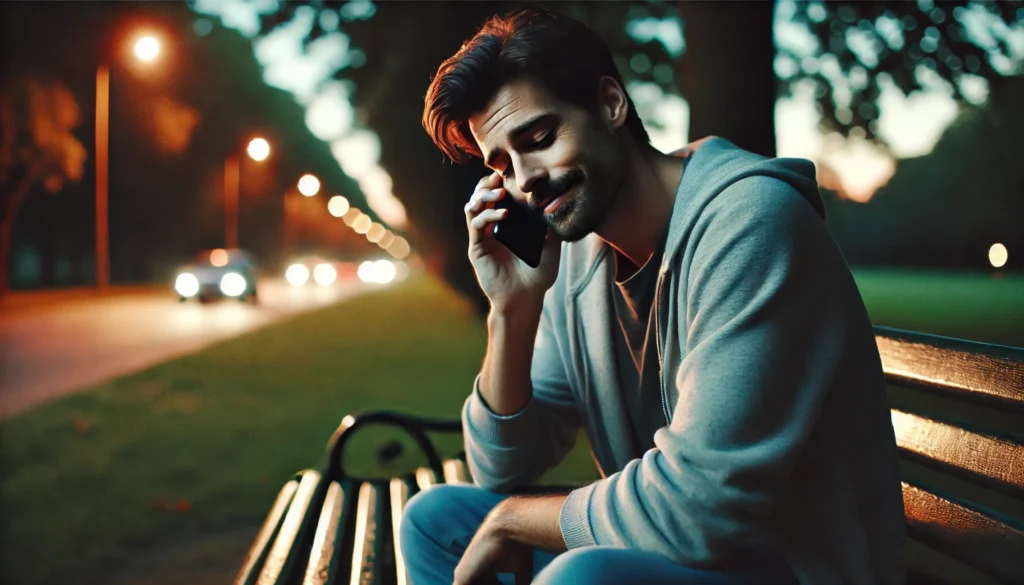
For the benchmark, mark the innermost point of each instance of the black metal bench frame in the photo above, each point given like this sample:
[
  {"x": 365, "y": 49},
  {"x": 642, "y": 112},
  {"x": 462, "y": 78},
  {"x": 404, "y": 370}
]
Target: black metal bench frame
[{"x": 958, "y": 413}]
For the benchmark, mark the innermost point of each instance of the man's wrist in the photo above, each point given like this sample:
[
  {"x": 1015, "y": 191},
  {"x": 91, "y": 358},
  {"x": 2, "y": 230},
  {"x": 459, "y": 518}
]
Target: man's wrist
[
  {"x": 527, "y": 310},
  {"x": 530, "y": 520}
]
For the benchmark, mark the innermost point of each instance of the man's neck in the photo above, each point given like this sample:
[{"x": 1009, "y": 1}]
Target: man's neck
[{"x": 644, "y": 204}]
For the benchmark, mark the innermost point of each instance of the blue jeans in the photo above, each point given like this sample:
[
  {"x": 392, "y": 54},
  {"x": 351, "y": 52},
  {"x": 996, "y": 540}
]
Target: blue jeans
[{"x": 439, "y": 523}]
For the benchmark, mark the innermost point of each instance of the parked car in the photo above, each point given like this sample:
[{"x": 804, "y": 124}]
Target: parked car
[{"x": 218, "y": 273}]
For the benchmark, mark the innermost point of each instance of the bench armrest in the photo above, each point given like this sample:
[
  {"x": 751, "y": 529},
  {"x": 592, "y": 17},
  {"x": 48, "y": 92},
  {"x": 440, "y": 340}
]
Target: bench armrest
[{"x": 415, "y": 426}]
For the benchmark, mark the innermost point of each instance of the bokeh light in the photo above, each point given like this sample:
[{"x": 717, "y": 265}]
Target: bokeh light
[
  {"x": 233, "y": 284},
  {"x": 375, "y": 233},
  {"x": 351, "y": 216},
  {"x": 258, "y": 149},
  {"x": 399, "y": 248},
  {"x": 324, "y": 274},
  {"x": 187, "y": 285},
  {"x": 297, "y": 275},
  {"x": 309, "y": 185},
  {"x": 147, "y": 48},
  {"x": 338, "y": 206},
  {"x": 379, "y": 272},
  {"x": 362, "y": 224},
  {"x": 998, "y": 255},
  {"x": 219, "y": 257}
]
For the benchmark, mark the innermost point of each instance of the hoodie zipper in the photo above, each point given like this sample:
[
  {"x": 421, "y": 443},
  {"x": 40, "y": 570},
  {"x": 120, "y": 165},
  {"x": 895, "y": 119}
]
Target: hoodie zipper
[{"x": 657, "y": 340}]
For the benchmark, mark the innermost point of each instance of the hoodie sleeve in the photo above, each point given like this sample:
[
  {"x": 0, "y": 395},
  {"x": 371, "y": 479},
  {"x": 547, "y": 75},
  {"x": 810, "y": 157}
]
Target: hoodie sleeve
[
  {"x": 762, "y": 325},
  {"x": 508, "y": 452}
]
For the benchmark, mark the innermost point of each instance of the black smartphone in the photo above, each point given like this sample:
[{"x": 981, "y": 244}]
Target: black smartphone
[{"x": 522, "y": 231}]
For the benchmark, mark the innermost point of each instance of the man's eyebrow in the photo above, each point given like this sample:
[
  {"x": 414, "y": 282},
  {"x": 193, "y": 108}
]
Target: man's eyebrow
[{"x": 517, "y": 132}]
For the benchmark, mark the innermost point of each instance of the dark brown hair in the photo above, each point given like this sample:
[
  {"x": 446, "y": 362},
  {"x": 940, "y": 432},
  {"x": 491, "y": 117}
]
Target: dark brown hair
[{"x": 561, "y": 53}]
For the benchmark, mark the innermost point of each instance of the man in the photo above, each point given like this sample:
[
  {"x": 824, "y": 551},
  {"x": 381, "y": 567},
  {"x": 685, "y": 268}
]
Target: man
[{"x": 691, "y": 313}]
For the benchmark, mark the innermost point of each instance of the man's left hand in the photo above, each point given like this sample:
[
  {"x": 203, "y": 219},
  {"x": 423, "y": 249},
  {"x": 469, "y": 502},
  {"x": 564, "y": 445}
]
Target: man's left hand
[
  {"x": 492, "y": 552},
  {"x": 506, "y": 539}
]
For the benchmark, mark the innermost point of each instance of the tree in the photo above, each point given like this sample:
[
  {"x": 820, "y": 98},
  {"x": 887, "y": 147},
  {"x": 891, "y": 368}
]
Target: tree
[
  {"x": 37, "y": 148},
  {"x": 947, "y": 207},
  {"x": 731, "y": 73}
]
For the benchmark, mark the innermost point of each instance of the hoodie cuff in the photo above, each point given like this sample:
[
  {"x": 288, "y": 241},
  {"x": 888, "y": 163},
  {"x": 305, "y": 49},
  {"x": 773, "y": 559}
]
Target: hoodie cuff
[
  {"x": 574, "y": 518},
  {"x": 494, "y": 428}
]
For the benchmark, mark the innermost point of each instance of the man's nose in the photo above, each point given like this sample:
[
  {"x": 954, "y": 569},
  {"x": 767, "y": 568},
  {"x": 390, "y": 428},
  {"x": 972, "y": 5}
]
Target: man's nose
[{"x": 527, "y": 177}]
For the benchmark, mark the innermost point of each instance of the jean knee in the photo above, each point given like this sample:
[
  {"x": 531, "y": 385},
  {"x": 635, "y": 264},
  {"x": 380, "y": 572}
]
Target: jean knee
[
  {"x": 591, "y": 565},
  {"x": 428, "y": 511}
]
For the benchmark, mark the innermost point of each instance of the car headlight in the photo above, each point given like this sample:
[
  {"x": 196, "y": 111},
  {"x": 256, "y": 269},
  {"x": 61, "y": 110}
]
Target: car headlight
[
  {"x": 186, "y": 285},
  {"x": 297, "y": 275},
  {"x": 380, "y": 272},
  {"x": 233, "y": 284},
  {"x": 325, "y": 274}
]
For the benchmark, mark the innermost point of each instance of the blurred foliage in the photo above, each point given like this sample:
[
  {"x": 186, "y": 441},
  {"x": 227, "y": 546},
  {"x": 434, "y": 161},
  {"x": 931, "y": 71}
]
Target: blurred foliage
[
  {"x": 862, "y": 46},
  {"x": 726, "y": 65},
  {"x": 945, "y": 209},
  {"x": 37, "y": 147},
  {"x": 172, "y": 124}
]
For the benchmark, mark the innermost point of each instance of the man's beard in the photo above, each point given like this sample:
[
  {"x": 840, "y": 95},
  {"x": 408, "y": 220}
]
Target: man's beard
[{"x": 582, "y": 213}]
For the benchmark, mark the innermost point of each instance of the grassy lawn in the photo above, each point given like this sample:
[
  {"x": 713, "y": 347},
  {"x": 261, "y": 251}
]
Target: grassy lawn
[
  {"x": 980, "y": 307},
  {"x": 200, "y": 445},
  {"x": 164, "y": 476}
]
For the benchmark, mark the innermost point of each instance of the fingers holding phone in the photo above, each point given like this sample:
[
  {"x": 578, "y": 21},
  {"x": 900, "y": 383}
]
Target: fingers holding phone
[
  {"x": 481, "y": 213},
  {"x": 506, "y": 243}
]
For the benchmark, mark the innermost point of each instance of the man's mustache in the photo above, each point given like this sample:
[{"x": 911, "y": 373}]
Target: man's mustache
[{"x": 546, "y": 190}]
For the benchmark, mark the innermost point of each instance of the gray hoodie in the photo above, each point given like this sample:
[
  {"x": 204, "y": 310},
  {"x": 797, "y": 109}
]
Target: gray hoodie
[{"x": 777, "y": 435}]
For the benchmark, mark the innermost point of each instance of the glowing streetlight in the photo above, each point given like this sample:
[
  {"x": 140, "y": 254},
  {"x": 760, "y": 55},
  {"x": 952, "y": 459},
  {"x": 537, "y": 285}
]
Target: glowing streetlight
[
  {"x": 998, "y": 255},
  {"x": 147, "y": 48},
  {"x": 309, "y": 185},
  {"x": 338, "y": 206},
  {"x": 258, "y": 149}
]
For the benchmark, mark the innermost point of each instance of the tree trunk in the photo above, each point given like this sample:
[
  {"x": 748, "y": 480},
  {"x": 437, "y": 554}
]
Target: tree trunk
[
  {"x": 728, "y": 74},
  {"x": 6, "y": 229}
]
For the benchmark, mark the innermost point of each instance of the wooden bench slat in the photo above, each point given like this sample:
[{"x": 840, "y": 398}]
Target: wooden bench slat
[
  {"x": 455, "y": 471},
  {"x": 326, "y": 553},
  {"x": 999, "y": 463},
  {"x": 400, "y": 491},
  {"x": 366, "y": 545},
  {"x": 926, "y": 566},
  {"x": 425, "y": 478},
  {"x": 972, "y": 371},
  {"x": 283, "y": 552},
  {"x": 258, "y": 553},
  {"x": 965, "y": 534}
]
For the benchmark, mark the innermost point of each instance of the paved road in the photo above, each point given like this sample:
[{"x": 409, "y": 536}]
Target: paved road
[{"x": 62, "y": 347}]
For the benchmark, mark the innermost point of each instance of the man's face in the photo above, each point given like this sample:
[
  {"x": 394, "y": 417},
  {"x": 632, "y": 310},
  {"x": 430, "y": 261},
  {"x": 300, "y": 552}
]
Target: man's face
[{"x": 563, "y": 159}]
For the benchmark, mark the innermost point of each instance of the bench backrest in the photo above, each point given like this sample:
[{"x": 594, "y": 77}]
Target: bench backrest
[{"x": 958, "y": 414}]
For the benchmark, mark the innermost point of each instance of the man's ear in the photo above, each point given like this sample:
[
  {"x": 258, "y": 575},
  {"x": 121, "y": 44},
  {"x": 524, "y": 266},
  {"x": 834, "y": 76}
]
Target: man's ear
[{"x": 613, "y": 101}]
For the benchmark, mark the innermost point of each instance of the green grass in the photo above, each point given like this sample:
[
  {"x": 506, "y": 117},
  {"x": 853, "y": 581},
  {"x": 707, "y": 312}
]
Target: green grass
[
  {"x": 980, "y": 307},
  {"x": 91, "y": 480},
  {"x": 164, "y": 476}
]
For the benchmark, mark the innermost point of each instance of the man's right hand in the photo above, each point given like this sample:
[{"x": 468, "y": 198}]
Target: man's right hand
[{"x": 509, "y": 283}]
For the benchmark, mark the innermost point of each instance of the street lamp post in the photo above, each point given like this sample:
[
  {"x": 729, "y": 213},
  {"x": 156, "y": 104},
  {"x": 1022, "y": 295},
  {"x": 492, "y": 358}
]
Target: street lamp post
[
  {"x": 258, "y": 149},
  {"x": 146, "y": 49},
  {"x": 102, "y": 136}
]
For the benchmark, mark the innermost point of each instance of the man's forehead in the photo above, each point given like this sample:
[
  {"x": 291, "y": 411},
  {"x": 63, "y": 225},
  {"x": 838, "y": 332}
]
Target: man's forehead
[{"x": 512, "y": 103}]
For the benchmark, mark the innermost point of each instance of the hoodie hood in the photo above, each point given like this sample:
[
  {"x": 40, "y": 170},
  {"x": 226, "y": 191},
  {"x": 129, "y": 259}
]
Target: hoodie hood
[{"x": 715, "y": 164}]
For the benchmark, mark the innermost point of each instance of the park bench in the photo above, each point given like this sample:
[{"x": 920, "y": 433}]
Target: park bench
[{"x": 958, "y": 413}]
